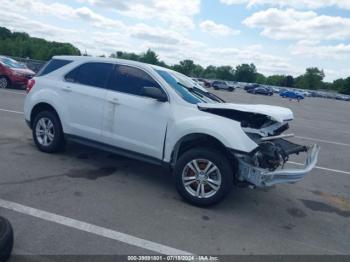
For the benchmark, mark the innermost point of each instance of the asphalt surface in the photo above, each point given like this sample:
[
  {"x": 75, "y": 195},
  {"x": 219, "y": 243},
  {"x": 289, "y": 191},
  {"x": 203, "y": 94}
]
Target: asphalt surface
[{"x": 138, "y": 199}]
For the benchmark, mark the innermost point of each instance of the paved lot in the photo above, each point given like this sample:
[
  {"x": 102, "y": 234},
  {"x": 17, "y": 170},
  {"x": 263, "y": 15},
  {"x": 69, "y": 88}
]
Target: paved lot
[{"x": 139, "y": 200}]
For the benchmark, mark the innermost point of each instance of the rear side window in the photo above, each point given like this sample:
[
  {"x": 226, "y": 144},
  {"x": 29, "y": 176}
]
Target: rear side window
[
  {"x": 90, "y": 74},
  {"x": 130, "y": 80},
  {"x": 53, "y": 65}
]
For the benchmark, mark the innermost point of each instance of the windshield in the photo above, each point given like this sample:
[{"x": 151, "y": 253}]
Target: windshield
[
  {"x": 189, "y": 90},
  {"x": 11, "y": 63}
]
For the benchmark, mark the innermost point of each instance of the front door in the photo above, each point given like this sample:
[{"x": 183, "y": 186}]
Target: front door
[{"x": 134, "y": 122}]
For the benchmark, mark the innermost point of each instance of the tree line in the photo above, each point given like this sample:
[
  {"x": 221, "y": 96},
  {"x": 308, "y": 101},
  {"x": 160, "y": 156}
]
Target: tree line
[
  {"x": 22, "y": 45},
  {"x": 312, "y": 79}
]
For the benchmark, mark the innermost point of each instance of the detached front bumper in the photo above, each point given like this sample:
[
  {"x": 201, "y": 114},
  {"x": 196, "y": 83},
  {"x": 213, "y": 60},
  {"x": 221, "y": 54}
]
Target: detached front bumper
[{"x": 262, "y": 177}]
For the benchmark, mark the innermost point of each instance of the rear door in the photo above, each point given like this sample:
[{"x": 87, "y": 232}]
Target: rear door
[
  {"x": 134, "y": 122},
  {"x": 84, "y": 92}
]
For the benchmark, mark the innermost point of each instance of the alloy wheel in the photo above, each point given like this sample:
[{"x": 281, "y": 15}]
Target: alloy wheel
[
  {"x": 3, "y": 82},
  {"x": 45, "y": 132},
  {"x": 201, "y": 178}
]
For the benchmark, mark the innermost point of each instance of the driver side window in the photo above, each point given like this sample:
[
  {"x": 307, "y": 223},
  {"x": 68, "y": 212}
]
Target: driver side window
[{"x": 130, "y": 80}]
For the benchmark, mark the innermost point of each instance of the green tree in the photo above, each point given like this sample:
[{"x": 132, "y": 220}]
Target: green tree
[
  {"x": 126, "y": 56},
  {"x": 246, "y": 73},
  {"x": 209, "y": 72},
  {"x": 346, "y": 87},
  {"x": 275, "y": 80},
  {"x": 339, "y": 84},
  {"x": 288, "y": 81},
  {"x": 225, "y": 73},
  {"x": 312, "y": 79},
  {"x": 186, "y": 67},
  {"x": 5, "y": 33},
  {"x": 149, "y": 57},
  {"x": 22, "y": 45},
  {"x": 261, "y": 79}
]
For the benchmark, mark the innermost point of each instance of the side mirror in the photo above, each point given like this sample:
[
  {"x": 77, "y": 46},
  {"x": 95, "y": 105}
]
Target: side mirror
[{"x": 155, "y": 93}]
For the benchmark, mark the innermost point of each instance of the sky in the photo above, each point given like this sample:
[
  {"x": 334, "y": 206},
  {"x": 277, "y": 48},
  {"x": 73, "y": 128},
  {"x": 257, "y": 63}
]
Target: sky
[{"x": 279, "y": 37}]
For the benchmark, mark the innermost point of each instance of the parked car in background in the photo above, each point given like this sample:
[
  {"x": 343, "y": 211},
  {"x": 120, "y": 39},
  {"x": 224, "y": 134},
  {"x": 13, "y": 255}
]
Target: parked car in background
[
  {"x": 251, "y": 86},
  {"x": 275, "y": 89},
  {"x": 230, "y": 84},
  {"x": 222, "y": 85},
  {"x": 314, "y": 94},
  {"x": 342, "y": 98},
  {"x": 204, "y": 82},
  {"x": 304, "y": 93},
  {"x": 13, "y": 73},
  {"x": 261, "y": 91},
  {"x": 283, "y": 90},
  {"x": 292, "y": 95}
]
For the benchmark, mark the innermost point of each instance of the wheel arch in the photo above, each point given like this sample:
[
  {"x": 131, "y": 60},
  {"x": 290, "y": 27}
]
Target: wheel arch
[
  {"x": 201, "y": 140},
  {"x": 40, "y": 107}
]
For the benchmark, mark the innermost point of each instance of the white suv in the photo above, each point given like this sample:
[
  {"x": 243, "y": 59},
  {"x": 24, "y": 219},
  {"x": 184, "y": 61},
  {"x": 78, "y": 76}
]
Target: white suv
[{"x": 160, "y": 116}]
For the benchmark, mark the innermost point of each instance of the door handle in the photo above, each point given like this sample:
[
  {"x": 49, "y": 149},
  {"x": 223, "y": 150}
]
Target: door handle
[
  {"x": 67, "y": 89},
  {"x": 114, "y": 100}
]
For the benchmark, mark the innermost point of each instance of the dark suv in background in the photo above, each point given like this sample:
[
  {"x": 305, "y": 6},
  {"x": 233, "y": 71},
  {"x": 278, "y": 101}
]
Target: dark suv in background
[
  {"x": 222, "y": 85},
  {"x": 13, "y": 73}
]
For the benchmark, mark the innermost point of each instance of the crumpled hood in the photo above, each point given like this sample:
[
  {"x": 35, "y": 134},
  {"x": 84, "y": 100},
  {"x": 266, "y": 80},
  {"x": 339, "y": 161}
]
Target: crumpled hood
[{"x": 277, "y": 113}]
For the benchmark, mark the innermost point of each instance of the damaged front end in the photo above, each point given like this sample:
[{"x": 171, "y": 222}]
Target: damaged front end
[{"x": 265, "y": 166}]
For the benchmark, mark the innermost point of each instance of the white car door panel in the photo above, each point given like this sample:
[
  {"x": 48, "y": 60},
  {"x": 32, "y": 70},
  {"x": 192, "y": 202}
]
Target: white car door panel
[
  {"x": 134, "y": 122},
  {"x": 84, "y": 94},
  {"x": 85, "y": 106}
]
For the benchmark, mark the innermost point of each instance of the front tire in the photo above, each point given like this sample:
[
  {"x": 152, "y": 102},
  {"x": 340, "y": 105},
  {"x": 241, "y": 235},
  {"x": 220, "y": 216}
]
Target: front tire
[
  {"x": 4, "y": 82},
  {"x": 47, "y": 132},
  {"x": 203, "y": 177},
  {"x": 6, "y": 239}
]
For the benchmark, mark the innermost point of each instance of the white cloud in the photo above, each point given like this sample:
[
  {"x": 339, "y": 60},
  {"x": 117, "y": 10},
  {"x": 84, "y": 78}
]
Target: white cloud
[
  {"x": 177, "y": 14},
  {"x": 298, "y": 4},
  {"x": 216, "y": 30},
  {"x": 99, "y": 32},
  {"x": 312, "y": 49},
  {"x": 18, "y": 22},
  {"x": 266, "y": 63},
  {"x": 108, "y": 36},
  {"x": 61, "y": 11},
  {"x": 96, "y": 19},
  {"x": 299, "y": 25}
]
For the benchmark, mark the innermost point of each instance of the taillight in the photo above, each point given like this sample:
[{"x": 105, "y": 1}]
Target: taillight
[{"x": 30, "y": 85}]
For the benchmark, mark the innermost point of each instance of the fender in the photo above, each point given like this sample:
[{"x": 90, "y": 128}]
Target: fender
[
  {"x": 48, "y": 96},
  {"x": 227, "y": 131}
]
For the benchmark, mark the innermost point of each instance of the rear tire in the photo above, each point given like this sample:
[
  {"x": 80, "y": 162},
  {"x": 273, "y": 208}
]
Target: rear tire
[
  {"x": 4, "y": 82},
  {"x": 6, "y": 239},
  {"x": 205, "y": 188},
  {"x": 47, "y": 132}
]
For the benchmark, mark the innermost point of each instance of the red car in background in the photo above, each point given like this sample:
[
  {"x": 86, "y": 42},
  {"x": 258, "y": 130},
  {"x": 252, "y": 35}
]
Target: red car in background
[{"x": 13, "y": 73}]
